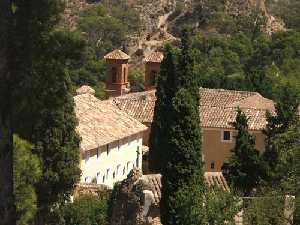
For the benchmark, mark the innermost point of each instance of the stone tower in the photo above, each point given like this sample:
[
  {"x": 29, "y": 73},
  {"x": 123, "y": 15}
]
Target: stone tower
[
  {"x": 116, "y": 73},
  {"x": 152, "y": 69}
]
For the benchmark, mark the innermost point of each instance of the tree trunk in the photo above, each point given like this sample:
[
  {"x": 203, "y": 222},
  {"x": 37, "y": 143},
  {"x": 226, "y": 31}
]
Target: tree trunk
[{"x": 7, "y": 203}]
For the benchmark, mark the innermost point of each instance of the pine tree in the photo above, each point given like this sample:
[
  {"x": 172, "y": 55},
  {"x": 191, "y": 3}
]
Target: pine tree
[
  {"x": 164, "y": 94},
  {"x": 286, "y": 115},
  {"x": 53, "y": 124},
  {"x": 243, "y": 169},
  {"x": 44, "y": 111},
  {"x": 285, "y": 178},
  {"x": 182, "y": 176},
  {"x": 27, "y": 172}
]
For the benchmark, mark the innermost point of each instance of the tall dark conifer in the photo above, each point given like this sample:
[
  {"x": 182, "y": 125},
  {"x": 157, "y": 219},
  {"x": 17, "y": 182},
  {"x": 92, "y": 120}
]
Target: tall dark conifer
[
  {"x": 7, "y": 74},
  {"x": 182, "y": 177},
  {"x": 243, "y": 169},
  {"x": 161, "y": 120},
  {"x": 44, "y": 107}
]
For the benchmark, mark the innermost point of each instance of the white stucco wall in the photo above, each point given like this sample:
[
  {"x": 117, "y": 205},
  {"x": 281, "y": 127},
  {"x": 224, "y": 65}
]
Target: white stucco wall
[{"x": 119, "y": 161}]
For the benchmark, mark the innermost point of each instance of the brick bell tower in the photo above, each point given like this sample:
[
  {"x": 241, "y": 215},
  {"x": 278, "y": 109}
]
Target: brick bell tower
[
  {"x": 116, "y": 73},
  {"x": 152, "y": 69}
]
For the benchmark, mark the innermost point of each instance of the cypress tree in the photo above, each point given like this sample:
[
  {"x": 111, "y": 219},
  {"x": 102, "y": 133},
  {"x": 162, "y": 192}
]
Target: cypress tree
[
  {"x": 164, "y": 94},
  {"x": 243, "y": 168},
  {"x": 186, "y": 77},
  {"x": 182, "y": 176}
]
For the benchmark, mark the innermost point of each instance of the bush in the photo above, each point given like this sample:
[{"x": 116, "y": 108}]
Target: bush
[{"x": 87, "y": 210}]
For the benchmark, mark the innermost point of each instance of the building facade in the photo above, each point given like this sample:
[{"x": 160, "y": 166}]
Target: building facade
[
  {"x": 111, "y": 140},
  {"x": 217, "y": 108}
]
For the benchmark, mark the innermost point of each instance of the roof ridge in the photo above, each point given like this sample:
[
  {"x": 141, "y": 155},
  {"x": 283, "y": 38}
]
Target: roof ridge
[{"x": 228, "y": 90}]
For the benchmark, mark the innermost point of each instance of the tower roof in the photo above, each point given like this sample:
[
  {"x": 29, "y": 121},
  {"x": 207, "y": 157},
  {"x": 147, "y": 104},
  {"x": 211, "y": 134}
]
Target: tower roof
[
  {"x": 154, "y": 57},
  {"x": 117, "y": 54}
]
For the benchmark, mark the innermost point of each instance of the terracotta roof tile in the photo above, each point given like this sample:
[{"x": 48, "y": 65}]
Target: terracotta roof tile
[
  {"x": 117, "y": 54},
  {"x": 156, "y": 57},
  {"x": 101, "y": 122},
  {"x": 211, "y": 179},
  {"x": 217, "y": 107}
]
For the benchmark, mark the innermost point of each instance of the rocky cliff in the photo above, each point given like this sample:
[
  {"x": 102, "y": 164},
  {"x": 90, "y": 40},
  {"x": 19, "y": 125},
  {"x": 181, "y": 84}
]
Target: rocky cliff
[{"x": 161, "y": 19}]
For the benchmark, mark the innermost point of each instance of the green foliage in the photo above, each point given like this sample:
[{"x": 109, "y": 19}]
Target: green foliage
[
  {"x": 45, "y": 116},
  {"x": 27, "y": 173},
  {"x": 182, "y": 176},
  {"x": 243, "y": 169},
  {"x": 136, "y": 79},
  {"x": 287, "y": 169},
  {"x": 87, "y": 210},
  {"x": 288, "y": 11},
  {"x": 221, "y": 206},
  {"x": 105, "y": 27},
  {"x": 162, "y": 120},
  {"x": 241, "y": 62},
  {"x": 182, "y": 181},
  {"x": 286, "y": 115},
  {"x": 264, "y": 210}
]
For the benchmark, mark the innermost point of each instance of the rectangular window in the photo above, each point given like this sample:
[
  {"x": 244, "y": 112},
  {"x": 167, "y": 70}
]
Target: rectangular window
[{"x": 226, "y": 136}]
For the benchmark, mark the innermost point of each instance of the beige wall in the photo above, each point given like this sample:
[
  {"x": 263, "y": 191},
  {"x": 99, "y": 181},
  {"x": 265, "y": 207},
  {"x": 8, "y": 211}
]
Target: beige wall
[{"x": 217, "y": 151}]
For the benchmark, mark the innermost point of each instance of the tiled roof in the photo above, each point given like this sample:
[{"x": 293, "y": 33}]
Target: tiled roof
[
  {"x": 217, "y": 107},
  {"x": 216, "y": 179},
  {"x": 116, "y": 54},
  {"x": 211, "y": 178},
  {"x": 101, "y": 122},
  {"x": 156, "y": 57}
]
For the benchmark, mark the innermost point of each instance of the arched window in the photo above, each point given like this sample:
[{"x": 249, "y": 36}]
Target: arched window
[
  {"x": 107, "y": 174},
  {"x": 98, "y": 178},
  {"x": 88, "y": 180},
  {"x": 118, "y": 170},
  {"x": 128, "y": 166},
  {"x": 114, "y": 75},
  {"x": 124, "y": 75},
  {"x": 153, "y": 78}
]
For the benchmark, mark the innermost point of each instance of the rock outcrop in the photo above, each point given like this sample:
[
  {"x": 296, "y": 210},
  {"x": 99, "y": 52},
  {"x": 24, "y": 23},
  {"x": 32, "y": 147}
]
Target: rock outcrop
[{"x": 136, "y": 199}]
